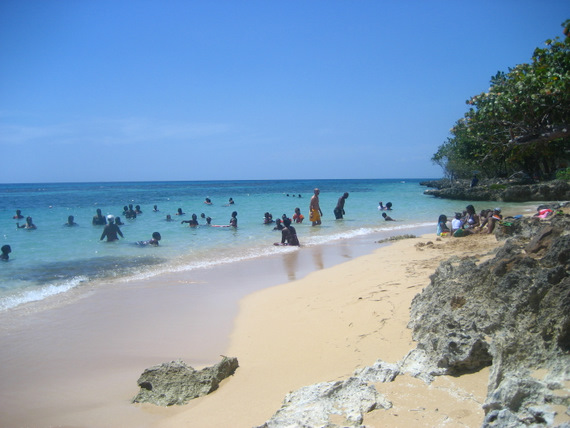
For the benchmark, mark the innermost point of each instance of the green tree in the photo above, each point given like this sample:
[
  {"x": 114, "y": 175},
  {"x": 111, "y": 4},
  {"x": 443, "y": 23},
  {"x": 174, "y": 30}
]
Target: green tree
[{"x": 521, "y": 123}]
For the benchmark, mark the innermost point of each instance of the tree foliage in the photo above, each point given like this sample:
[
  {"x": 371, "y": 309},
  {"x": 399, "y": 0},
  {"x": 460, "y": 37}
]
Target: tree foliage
[{"x": 521, "y": 124}]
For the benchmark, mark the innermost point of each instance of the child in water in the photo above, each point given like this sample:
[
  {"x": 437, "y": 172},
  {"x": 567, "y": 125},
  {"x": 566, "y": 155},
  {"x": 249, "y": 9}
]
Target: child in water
[{"x": 154, "y": 241}]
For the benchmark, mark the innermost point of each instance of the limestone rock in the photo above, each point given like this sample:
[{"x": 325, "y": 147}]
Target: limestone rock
[
  {"x": 511, "y": 313},
  {"x": 312, "y": 406},
  {"x": 500, "y": 190},
  {"x": 177, "y": 383}
]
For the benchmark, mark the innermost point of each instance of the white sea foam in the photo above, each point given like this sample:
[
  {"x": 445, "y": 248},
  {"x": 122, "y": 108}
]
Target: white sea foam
[{"x": 38, "y": 293}]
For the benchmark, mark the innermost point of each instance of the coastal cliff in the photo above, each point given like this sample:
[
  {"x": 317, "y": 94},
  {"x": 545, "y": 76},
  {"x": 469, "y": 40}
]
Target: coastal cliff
[
  {"x": 513, "y": 190},
  {"x": 510, "y": 312}
]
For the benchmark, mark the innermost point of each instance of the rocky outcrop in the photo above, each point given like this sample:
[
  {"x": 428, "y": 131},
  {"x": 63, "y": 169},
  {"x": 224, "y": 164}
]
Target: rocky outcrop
[
  {"x": 511, "y": 312},
  {"x": 312, "y": 406},
  {"x": 177, "y": 383},
  {"x": 505, "y": 191}
]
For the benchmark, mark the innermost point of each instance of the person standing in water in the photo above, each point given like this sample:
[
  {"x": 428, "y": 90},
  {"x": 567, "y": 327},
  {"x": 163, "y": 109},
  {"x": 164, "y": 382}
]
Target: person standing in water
[
  {"x": 315, "y": 212},
  {"x": 6, "y": 250},
  {"x": 339, "y": 210},
  {"x": 111, "y": 230},
  {"x": 70, "y": 221},
  {"x": 233, "y": 220},
  {"x": 98, "y": 219}
]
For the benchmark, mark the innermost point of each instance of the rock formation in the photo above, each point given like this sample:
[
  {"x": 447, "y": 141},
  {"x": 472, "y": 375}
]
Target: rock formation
[
  {"x": 177, "y": 383},
  {"x": 506, "y": 191},
  {"x": 511, "y": 312}
]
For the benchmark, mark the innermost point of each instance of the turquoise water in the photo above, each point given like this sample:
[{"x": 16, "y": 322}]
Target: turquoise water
[{"x": 54, "y": 259}]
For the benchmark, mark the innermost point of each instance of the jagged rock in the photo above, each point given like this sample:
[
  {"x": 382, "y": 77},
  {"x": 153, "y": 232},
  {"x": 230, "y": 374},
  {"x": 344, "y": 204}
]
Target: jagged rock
[
  {"x": 379, "y": 372},
  {"x": 312, "y": 406},
  {"x": 511, "y": 312},
  {"x": 177, "y": 383}
]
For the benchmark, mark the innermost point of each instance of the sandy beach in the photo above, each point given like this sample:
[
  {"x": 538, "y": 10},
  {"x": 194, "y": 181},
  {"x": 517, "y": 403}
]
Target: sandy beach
[
  {"x": 349, "y": 308},
  {"x": 326, "y": 325}
]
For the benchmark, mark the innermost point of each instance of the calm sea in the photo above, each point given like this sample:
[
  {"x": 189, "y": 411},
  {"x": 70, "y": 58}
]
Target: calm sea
[{"x": 54, "y": 259}]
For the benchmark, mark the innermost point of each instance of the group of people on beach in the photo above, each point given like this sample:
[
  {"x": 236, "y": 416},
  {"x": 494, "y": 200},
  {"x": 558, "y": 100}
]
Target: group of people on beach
[
  {"x": 111, "y": 230},
  {"x": 469, "y": 222}
]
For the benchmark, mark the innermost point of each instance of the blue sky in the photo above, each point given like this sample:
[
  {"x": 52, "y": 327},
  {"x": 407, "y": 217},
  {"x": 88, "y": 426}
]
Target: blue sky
[{"x": 236, "y": 90}]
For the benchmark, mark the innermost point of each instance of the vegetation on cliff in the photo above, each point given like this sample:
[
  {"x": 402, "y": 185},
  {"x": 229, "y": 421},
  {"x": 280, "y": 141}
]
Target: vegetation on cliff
[{"x": 521, "y": 124}]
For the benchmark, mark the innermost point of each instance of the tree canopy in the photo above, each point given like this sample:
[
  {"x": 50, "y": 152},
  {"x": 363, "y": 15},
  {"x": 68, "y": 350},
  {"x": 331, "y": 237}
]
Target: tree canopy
[{"x": 521, "y": 124}]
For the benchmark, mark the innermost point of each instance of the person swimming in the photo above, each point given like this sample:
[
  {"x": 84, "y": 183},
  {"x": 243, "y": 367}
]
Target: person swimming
[
  {"x": 6, "y": 250},
  {"x": 29, "y": 224},
  {"x": 193, "y": 222},
  {"x": 152, "y": 242},
  {"x": 70, "y": 221}
]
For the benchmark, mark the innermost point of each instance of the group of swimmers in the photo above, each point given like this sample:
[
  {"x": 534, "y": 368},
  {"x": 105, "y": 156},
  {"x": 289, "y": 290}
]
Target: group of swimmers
[{"x": 469, "y": 222}]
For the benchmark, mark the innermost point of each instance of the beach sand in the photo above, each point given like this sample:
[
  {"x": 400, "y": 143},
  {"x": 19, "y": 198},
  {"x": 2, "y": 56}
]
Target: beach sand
[
  {"x": 76, "y": 364},
  {"x": 326, "y": 325}
]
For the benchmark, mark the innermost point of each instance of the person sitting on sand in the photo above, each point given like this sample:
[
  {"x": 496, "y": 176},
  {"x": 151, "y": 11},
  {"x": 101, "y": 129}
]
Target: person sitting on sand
[
  {"x": 98, "y": 219},
  {"x": 111, "y": 230},
  {"x": 442, "y": 229},
  {"x": 70, "y": 221},
  {"x": 298, "y": 217},
  {"x": 6, "y": 250},
  {"x": 492, "y": 220},
  {"x": 29, "y": 224},
  {"x": 387, "y": 217},
  {"x": 471, "y": 219},
  {"x": 153, "y": 242},
  {"x": 193, "y": 222},
  {"x": 456, "y": 223},
  {"x": 288, "y": 234}
]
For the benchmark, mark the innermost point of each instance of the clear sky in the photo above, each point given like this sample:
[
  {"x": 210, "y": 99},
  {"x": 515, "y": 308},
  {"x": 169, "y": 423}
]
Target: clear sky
[{"x": 127, "y": 90}]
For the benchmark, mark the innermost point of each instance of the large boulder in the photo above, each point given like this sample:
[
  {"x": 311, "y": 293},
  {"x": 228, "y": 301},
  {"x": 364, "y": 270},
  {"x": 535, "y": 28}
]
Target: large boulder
[
  {"x": 177, "y": 383},
  {"x": 511, "y": 313}
]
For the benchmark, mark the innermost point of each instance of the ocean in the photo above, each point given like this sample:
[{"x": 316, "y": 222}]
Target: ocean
[{"x": 55, "y": 259}]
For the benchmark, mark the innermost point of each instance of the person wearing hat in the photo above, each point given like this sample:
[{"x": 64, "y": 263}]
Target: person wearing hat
[{"x": 111, "y": 230}]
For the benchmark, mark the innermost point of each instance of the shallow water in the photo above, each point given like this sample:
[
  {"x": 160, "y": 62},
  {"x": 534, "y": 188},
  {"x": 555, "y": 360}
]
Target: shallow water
[{"x": 55, "y": 259}]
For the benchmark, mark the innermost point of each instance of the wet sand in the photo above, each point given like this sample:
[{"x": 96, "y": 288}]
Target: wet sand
[
  {"x": 326, "y": 325},
  {"x": 74, "y": 360}
]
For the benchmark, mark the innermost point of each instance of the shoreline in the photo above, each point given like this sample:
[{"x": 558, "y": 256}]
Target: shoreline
[
  {"x": 77, "y": 363},
  {"x": 324, "y": 326}
]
